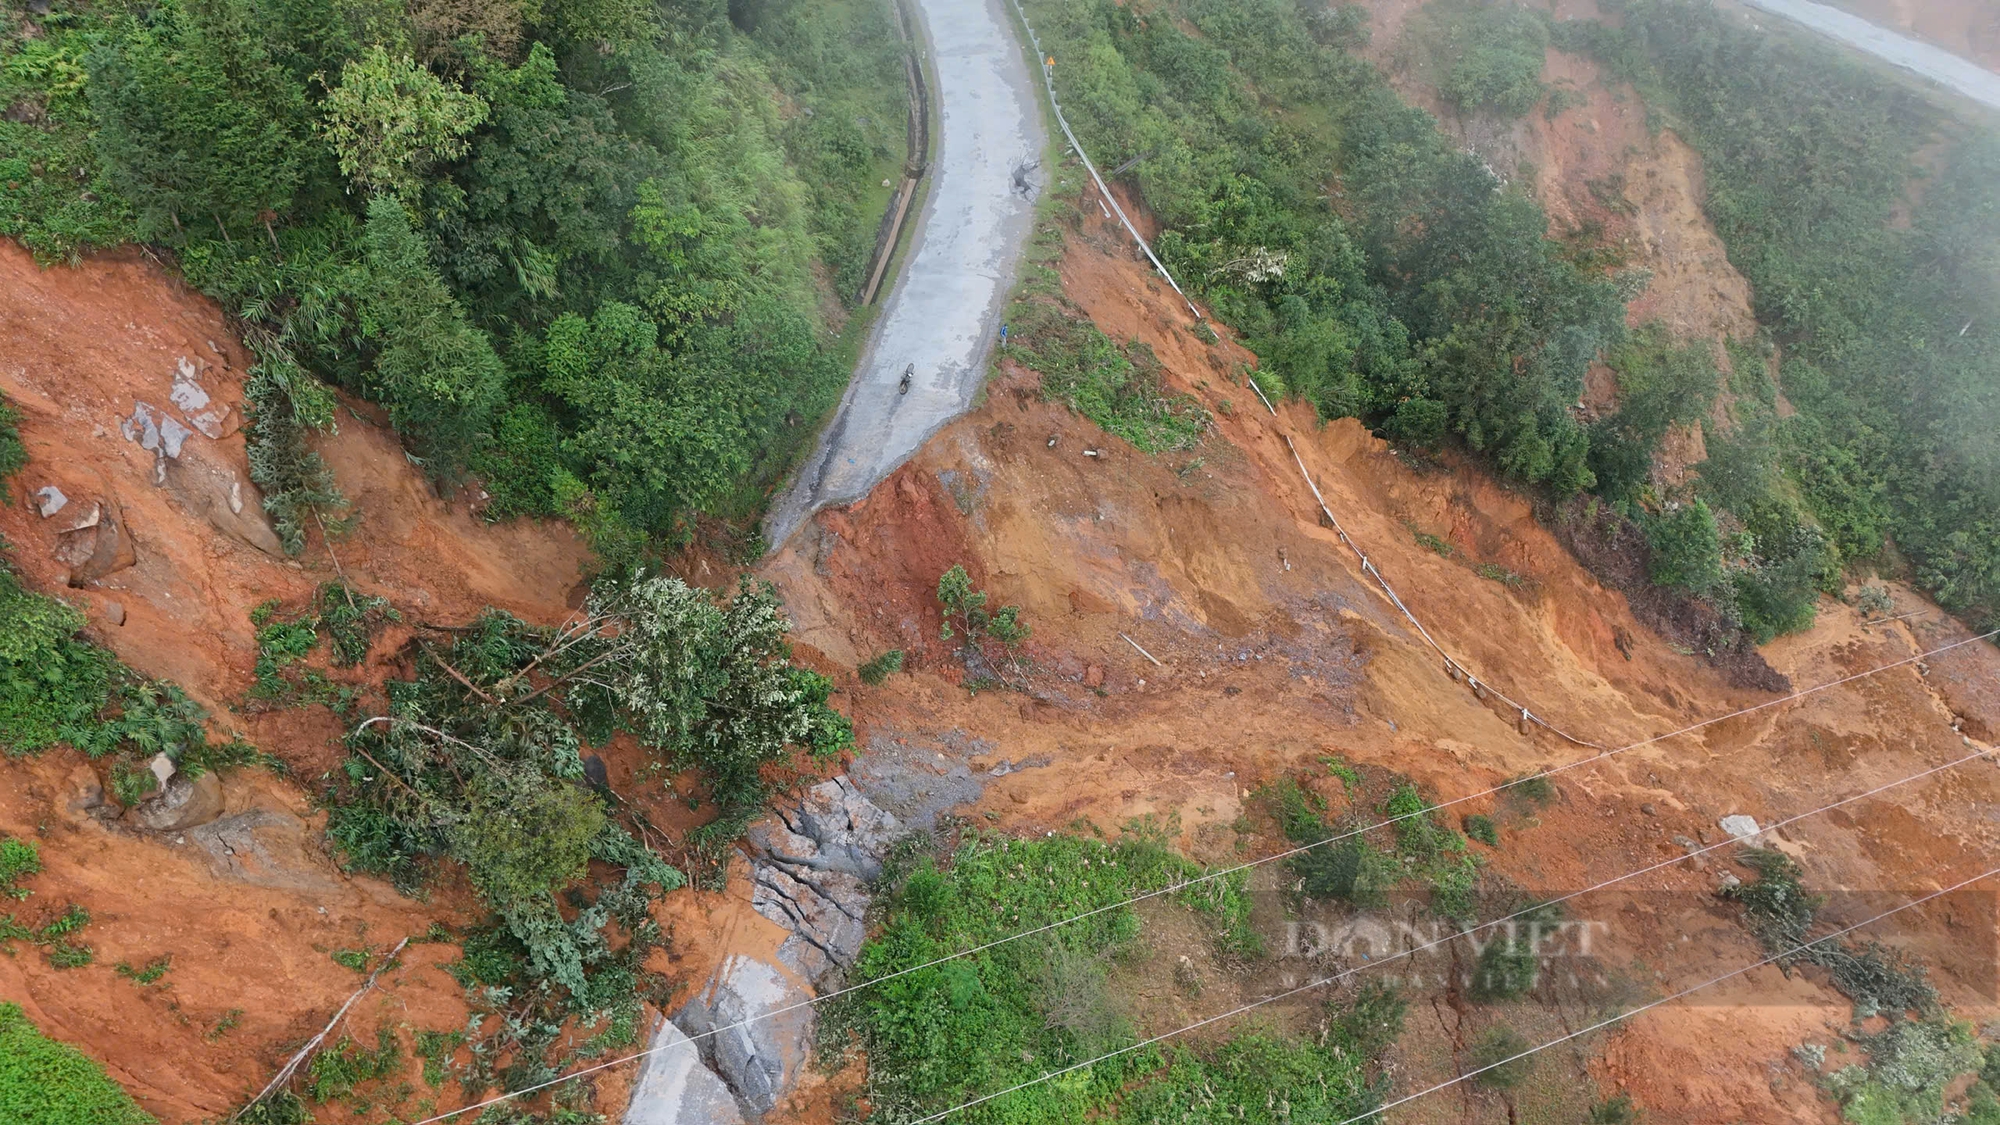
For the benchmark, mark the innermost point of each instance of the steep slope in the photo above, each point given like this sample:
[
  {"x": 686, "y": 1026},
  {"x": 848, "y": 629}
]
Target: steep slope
[
  {"x": 1274, "y": 652},
  {"x": 250, "y": 905}
]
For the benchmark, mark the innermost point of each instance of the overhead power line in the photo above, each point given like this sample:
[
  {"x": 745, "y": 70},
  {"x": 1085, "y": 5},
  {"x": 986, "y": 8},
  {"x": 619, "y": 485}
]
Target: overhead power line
[
  {"x": 1413, "y": 950},
  {"x": 691, "y": 1040},
  {"x": 1682, "y": 994}
]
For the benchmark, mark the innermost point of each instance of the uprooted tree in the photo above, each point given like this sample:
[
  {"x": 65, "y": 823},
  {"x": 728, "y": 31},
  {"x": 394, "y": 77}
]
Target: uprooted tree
[{"x": 479, "y": 758}]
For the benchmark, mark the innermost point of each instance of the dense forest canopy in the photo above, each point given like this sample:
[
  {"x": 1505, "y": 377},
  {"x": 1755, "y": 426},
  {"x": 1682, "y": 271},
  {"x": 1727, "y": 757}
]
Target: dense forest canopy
[
  {"x": 1379, "y": 271},
  {"x": 573, "y": 247}
]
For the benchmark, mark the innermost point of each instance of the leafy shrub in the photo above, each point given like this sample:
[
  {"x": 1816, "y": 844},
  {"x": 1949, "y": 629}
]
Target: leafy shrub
[
  {"x": 1443, "y": 548},
  {"x": 1776, "y": 905},
  {"x": 881, "y": 667},
  {"x": 1615, "y": 1110},
  {"x": 967, "y": 619},
  {"x": 1480, "y": 827},
  {"x": 154, "y": 970},
  {"x": 1508, "y": 967},
  {"x": 13, "y": 455},
  {"x": 1531, "y": 790},
  {"x": 1373, "y": 1023},
  {"x": 335, "y": 1071},
  {"x": 19, "y": 859},
  {"x": 1874, "y": 600},
  {"x": 283, "y": 406},
  {"x": 1687, "y": 548},
  {"x": 43, "y": 1082},
  {"x": 1494, "y": 1058}
]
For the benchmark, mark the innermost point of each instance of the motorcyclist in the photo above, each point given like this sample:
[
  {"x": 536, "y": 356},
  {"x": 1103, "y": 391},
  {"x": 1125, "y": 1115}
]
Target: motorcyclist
[{"x": 903, "y": 387}]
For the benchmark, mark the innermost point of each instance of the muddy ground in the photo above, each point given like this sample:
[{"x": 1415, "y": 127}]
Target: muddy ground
[{"x": 1272, "y": 652}]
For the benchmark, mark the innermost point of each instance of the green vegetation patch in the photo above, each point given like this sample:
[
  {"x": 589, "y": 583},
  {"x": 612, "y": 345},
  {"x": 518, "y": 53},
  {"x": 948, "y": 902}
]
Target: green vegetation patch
[
  {"x": 953, "y": 1031},
  {"x": 1341, "y": 862},
  {"x": 1122, "y": 389},
  {"x": 1890, "y": 331},
  {"x": 597, "y": 255},
  {"x": 43, "y": 1082},
  {"x": 1486, "y": 57},
  {"x": 13, "y": 455}
]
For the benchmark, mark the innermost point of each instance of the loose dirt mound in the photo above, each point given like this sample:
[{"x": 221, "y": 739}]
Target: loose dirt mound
[{"x": 1273, "y": 652}]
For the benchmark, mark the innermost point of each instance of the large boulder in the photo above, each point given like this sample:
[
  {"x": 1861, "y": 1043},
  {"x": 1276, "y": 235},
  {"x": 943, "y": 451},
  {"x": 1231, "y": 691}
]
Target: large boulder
[
  {"x": 180, "y": 804},
  {"x": 674, "y": 1088},
  {"x": 757, "y": 1026}
]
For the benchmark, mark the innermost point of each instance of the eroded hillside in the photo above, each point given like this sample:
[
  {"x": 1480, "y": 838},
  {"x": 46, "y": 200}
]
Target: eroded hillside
[{"x": 1200, "y": 640}]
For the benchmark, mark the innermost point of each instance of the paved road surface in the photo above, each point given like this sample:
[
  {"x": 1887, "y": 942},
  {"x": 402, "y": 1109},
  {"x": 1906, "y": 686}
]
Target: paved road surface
[
  {"x": 1935, "y": 63},
  {"x": 944, "y": 312}
]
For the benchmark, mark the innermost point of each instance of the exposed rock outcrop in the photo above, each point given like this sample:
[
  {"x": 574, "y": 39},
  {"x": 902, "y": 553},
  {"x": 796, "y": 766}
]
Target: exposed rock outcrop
[
  {"x": 675, "y": 1089},
  {"x": 180, "y": 803},
  {"x": 810, "y": 866}
]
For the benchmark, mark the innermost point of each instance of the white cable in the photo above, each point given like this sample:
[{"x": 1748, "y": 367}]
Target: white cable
[
  {"x": 1049, "y": 83},
  {"x": 1344, "y": 974},
  {"x": 1221, "y": 873},
  {"x": 1623, "y": 1016},
  {"x": 1370, "y": 569}
]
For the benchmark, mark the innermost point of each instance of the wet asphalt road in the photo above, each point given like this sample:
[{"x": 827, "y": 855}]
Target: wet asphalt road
[
  {"x": 1935, "y": 63},
  {"x": 944, "y": 311}
]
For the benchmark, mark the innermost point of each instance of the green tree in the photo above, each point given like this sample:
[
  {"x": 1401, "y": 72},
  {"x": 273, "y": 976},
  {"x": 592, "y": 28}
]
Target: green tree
[
  {"x": 438, "y": 375},
  {"x": 196, "y": 122},
  {"x": 390, "y": 119},
  {"x": 1687, "y": 548}
]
